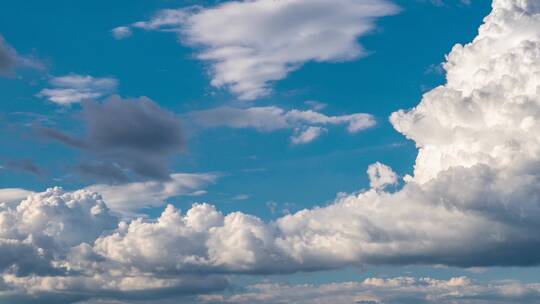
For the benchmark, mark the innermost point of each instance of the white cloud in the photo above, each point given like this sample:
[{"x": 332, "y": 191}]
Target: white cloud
[
  {"x": 306, "y": 124},
  {"x": 307, "y": 135},
  {"x": 75, "y": 88},
  {"x": 250, "y": 44},
  {"x": 472, "y": 200},
  {"x": 130, "y": 197},
  {"x": 121, "y": 32},
  {"x": 13, "y": 195}
]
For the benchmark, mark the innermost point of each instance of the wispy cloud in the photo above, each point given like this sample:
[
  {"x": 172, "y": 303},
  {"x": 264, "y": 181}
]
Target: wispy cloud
[
  {"x": 306, "y": 125},
  {"x": 75, "y": 88},
  {"x": 250, "y": 44}
]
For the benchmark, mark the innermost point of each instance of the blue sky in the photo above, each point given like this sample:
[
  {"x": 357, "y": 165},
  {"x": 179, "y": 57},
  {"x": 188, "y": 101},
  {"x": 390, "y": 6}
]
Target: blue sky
[
  {"x": 142, "y": 116},
  {"x": 155, "y": 65}
]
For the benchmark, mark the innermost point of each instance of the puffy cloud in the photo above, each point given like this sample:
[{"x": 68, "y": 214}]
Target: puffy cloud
[
  {"x": 473, "y": 199},
  {"x": 249, "y": 44},
  {"x": 131, "y": 134},
  {"x": 75, "y": 88},
  {"x": 391, "y": 290},
  {"x": 381, "y": 176},
  {"x": 306, "y": 124}
]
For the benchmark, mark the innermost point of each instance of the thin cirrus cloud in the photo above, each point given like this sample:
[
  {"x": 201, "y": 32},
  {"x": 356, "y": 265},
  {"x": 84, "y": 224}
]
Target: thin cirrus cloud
[
  {"x": 74, "y": 88},
  {"x": 472, "y": 201},
  {"x": 250, "y": 44},
  {"x": 307, "y": 125}
]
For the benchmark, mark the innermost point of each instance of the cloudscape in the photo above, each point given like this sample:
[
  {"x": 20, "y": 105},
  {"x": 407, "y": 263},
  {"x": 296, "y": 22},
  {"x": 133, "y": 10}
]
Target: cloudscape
[{"x": 270, "y": 151}]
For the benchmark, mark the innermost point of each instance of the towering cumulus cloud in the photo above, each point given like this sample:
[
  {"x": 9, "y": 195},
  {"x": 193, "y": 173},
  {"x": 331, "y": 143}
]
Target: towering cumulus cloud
[{"x": 473, "y": 200}]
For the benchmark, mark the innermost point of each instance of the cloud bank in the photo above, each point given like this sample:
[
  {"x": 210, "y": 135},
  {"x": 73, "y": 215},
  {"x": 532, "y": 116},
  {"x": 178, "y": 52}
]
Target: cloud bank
[
  {"x": 473, "y": 200},
  {"x": 250, "y": 44}
]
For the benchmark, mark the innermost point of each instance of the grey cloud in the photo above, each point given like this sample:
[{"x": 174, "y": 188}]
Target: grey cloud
[
  {"x": 24, "y": 165},
  {"x": 8, "y": 58},
  {"x": 133, "y": 134},
  {"x": 74, "y": 88}
]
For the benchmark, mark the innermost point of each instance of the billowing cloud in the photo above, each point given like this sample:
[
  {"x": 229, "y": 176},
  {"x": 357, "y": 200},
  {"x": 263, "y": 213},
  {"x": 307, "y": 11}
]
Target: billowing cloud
[
  {"x": 307, "y": 125},
  {"x": 75, "y": 88},
  {"x": 250, "y": 44},
  {"x": 132, "y": 134},
  {"x": 381, "y": 176}
]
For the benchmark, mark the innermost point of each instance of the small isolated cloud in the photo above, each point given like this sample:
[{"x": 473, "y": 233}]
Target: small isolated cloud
[
  {"x": 381, "y": 176},
  {"x": 74, "y": 88},
  {"x": 127, "y": 136},
  {"x": 472, "y": 201},
  {"x": 121, "y": 32},
  {"x": 250, "y": 44},
  {"x": 306, "y": 125}
]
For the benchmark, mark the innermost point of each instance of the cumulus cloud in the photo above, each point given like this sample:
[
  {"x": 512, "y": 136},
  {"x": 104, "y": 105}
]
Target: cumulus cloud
[
  {"x": 24, "y": 165},
  {"x": 381, "y": 176},
  {"x": 74, "y": 88},
  {"x": 391, "y": 290},
  {"x": 250, "y": 44},
  {"x": 305, "y": 124},
  {"x": 132, "y": 134},
  {"x": 473, "y": 199}
]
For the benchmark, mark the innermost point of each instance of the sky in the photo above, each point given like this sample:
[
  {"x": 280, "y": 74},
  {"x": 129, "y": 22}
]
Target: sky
[{"x": 269, "y": 151}]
